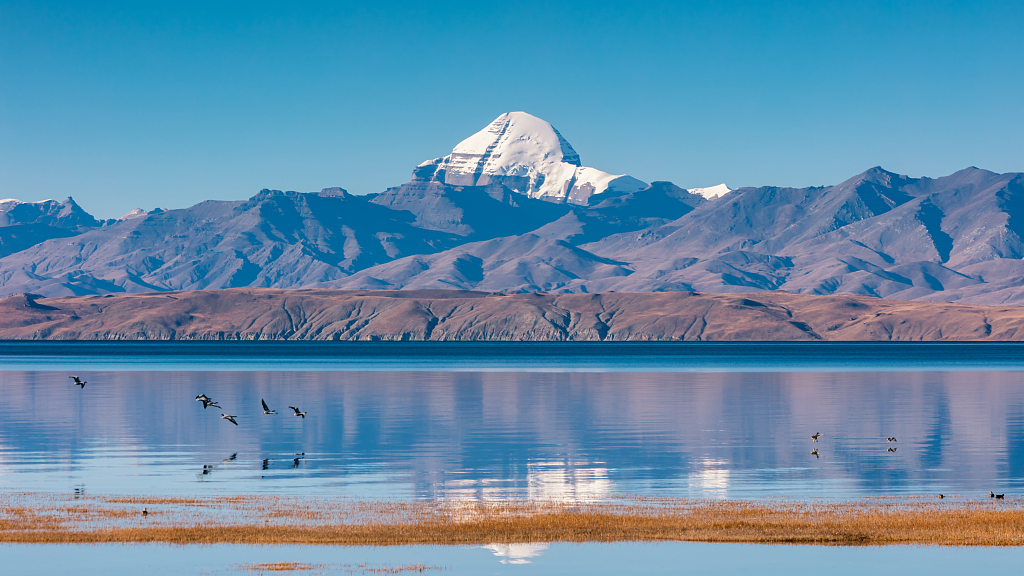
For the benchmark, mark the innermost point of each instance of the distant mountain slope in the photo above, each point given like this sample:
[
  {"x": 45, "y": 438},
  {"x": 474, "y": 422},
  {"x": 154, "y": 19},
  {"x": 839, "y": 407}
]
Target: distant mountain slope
[
  {"x": 282, "y": 239},
  {"x": 878, "y": 233},
  {"x": 452, "y": 315}
]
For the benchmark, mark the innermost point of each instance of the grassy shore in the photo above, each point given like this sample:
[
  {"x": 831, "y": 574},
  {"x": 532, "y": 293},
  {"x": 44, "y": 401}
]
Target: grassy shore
[{"x": 52, "y": 518}]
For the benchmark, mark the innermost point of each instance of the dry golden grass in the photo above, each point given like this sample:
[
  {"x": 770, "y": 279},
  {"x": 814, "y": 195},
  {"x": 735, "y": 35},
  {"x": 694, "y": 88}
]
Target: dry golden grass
[
  {"x": 281, "y": 567},
  {"x": 292, "y": 520}
]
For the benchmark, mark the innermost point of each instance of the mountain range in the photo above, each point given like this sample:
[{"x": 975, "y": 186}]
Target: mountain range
[{"x": 513, "y": 209}]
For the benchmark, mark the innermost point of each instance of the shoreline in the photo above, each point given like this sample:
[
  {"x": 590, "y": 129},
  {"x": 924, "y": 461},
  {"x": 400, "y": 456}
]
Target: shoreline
[{"x": 258, "y": 519}]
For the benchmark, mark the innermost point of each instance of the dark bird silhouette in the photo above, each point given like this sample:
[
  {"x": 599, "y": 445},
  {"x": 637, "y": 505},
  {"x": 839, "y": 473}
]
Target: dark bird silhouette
[
  {"x": 207, "y": 468},
  {"x": 297, "y": 412},
  {"x": 1000, "y": 496},
  {"x": 77, "y": 382},
  {"x": 266, "y": 409},
  {"x": 295, "y": 463},
  {"x": 816, "y": 436},
  {"x": 941, "y": 496},
  {"x": 991, "y": 494},
  {"x": 231, "y": 458},
  {"x": 229, "y": 418},
  {"x": 266, "y": 463},
  {"x": 202, "y": 398},
  {"x": 145, "y": 512},
  {"x": 893, "y": 439},
  {"x": 208, "y": 403},
  {"x": 891, "y": 450},
  {"x": 815, "y": 452}
]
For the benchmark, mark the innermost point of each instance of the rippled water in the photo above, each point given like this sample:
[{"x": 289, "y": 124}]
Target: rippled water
[{"x": 438, "y": 424}]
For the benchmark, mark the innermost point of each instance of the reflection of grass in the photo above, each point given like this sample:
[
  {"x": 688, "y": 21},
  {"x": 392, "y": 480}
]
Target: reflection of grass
[
  {"x": 338, "y": 568},
  {"x": 287, "y": 520}
]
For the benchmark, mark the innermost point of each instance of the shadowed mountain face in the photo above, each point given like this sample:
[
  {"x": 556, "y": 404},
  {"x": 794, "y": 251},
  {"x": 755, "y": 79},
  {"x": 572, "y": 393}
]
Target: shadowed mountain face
[{"x": 957, "y": 238}]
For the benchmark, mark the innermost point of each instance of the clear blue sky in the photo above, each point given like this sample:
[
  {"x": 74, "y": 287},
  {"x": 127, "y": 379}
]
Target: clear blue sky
[{"x": 145, "y": 104}]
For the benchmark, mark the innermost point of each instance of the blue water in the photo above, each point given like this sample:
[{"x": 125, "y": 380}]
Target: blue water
[
  {"x": 535, "y": 560},
  {"x": 564, "y": 421},
  {"x": 516, "y": 356}
]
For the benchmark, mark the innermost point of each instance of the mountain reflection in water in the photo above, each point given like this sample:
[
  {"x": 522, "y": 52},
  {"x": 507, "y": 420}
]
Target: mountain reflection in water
[{"x": 492, "y": 435}]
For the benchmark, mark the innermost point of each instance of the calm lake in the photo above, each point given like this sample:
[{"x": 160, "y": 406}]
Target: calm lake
[{"x": 424, "y": 421}]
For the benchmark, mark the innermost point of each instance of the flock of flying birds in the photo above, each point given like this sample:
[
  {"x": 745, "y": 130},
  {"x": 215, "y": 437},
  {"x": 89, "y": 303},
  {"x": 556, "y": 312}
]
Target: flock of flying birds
[{"x": 207, "y": 402}]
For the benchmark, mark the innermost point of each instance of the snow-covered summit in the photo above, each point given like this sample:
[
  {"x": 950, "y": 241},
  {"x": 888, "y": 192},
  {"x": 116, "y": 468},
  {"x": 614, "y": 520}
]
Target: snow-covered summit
[
  {"x": 711, "y": 192},
  {"x": 527, "y": 155}
]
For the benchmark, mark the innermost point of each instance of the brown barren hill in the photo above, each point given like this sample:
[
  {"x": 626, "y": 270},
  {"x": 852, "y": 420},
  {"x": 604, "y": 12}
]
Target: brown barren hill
[{"x": 453, "y": 315}]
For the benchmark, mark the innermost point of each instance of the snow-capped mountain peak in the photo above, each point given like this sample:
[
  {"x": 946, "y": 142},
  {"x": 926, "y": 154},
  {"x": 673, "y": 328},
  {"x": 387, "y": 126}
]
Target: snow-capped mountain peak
[
  {"x": 137, "y": 213},
  {"x": 711, "y": 192},
  {"x": 527, "y": 155}
]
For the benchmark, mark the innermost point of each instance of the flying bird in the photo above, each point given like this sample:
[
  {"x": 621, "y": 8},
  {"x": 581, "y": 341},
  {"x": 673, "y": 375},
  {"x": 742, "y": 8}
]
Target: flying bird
[
  {"x": 297, "y": 412},
  {"x": 816, "y": 436},
  {"x": 229, "y": 418},
  {"x": 202, "y": 398},
  {"x": 266, "y": 409},
  {"x": 77, "y": 382},
  {"x": 891, "y": 450},
  {"x": 815, "y": 452},
  {"x": 893, "y": 439},
  {"x": 208, "y": 403}
]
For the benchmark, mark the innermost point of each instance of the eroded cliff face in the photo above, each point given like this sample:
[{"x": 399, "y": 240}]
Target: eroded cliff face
[{"x": 452, "y": 315}]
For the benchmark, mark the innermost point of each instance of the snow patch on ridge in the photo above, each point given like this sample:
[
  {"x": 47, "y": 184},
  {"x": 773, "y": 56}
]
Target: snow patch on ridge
[
  {"x": 16, "y": 201},
  {"x": 711, "y": 192}
]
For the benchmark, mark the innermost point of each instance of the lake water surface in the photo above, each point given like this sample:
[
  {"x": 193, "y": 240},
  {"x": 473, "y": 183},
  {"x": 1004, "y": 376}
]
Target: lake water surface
[{"x": 542, "y": 421}]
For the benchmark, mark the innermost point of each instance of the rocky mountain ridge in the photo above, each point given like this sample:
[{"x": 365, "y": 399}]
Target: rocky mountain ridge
[{"x": 956, "y": 238}]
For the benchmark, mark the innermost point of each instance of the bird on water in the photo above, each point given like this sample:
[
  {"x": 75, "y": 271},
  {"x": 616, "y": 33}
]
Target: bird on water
[
  {"x": 229, "y": 418},
  {"x": 893, "y": 439},
  {"x": 891, "y": 450},
  {"x": 297, "y": 412},
  {"x": 816, "y": 436},
  {"x": 77, "y": 382},
  {"x": 1000, "y": 496},
  {"x": 266, "y": 409},
  {"x": 991, "y": 494},
  {"x": 145, "y": 512}
]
